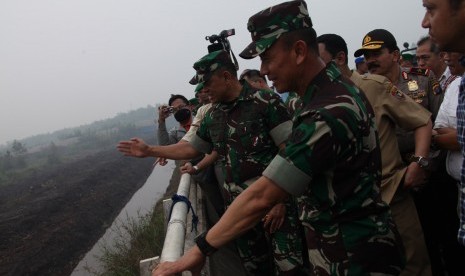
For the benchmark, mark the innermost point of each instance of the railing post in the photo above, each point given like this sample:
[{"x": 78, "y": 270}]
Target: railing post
[{"x": 173, "y": 246}]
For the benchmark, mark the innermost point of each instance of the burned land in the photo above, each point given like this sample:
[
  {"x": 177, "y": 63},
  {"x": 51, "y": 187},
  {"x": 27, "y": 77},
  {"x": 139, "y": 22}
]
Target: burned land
[{"x": 51, "y": 218}]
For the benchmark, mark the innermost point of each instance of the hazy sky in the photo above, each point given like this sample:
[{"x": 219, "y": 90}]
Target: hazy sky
[{"x": 65, "y": 63}]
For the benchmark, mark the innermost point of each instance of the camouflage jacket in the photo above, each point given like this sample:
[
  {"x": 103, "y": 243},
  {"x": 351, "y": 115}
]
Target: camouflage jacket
[
  {"x": 245, "y": 133},
  {"x": 332, "y": 163}
]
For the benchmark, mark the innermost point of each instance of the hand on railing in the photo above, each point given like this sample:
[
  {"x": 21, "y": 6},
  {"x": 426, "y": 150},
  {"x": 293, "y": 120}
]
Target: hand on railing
[
  {"x": 161, "y": 161},
  {"x": 193, "y": 259},
  {"x": 189, "y": 168}
]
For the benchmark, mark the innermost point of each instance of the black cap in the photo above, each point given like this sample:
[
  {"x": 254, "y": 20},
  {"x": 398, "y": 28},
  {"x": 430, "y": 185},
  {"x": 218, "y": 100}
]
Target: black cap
[{"x": 377, "y": 39}]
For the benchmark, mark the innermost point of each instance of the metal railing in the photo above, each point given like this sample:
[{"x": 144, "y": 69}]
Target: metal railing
[{"x": 180, "y": 229}]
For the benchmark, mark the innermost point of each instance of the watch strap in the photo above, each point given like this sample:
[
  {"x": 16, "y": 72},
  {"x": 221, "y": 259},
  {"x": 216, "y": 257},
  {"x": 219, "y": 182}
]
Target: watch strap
[
  {"x": 420, "y": 160},
  {"x": 203, "y": 245}
]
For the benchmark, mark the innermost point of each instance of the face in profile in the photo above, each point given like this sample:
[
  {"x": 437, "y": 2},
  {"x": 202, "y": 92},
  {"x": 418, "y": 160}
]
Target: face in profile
[
  {"x": 215, "y": 88},
  {"x": 446, "y": 24},
  {"x": 276, "y": 64},
  {"x": 452, "y": 60}
]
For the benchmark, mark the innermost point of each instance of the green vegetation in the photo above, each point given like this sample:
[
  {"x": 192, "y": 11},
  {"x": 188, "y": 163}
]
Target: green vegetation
[{"x": 137, "y": 239}]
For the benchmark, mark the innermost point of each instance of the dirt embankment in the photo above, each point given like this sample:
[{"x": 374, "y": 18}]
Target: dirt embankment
[{"x": 51, "y": 219}]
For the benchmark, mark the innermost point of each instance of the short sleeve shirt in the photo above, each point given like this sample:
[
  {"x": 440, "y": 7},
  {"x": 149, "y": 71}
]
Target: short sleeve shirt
[
  {"x": 200, "y": 114},
  {"x": 392, "y": 109}
]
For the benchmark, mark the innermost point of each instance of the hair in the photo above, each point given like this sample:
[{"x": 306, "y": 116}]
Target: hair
[
  {"x": 455, "y": 4},
  {"x": 230, "y": 67},
  {"x": 177, "y": 96},
  {"x": 308, "y": 35},
  {"x": 333, "y": 44},
  {"x": 433, "y": 47},
  {"x": 252, "y": 74}
]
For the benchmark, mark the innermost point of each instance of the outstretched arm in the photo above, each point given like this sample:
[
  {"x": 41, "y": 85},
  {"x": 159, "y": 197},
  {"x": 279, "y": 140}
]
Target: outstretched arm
[
  {"x": 138, "y": 148},
  {"x": 244, "y": 213}
]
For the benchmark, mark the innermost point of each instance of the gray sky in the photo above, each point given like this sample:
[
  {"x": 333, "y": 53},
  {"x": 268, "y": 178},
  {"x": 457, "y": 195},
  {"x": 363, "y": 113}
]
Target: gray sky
[{"x": 65, "y": 63}]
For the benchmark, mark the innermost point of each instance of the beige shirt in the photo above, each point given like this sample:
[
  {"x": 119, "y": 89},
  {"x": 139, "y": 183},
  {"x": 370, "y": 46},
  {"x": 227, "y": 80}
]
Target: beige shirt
[
  {"x": 196, "y": 122},
  {"x": 392, "y": 108}
]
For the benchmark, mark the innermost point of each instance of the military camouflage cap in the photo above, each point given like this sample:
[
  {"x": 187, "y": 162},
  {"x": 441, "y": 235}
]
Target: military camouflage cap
[
  {"x": 198, "y": 88},
  {"x": 208, "y": 64},
  {"x": 375, "y": 40},
  {"x": 194, "y": 101},
  {"x": 268, "y": 25}
]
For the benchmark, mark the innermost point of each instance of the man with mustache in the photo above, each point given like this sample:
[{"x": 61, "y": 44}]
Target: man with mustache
[{"x": 382, "y": 54}]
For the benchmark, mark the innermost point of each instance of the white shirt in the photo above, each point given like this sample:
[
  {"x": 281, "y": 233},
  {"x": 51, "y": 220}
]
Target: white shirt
[{"x": 447, "y": 117}]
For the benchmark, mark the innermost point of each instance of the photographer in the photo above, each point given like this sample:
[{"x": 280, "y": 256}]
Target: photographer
[{"x": 179, "y": 106}]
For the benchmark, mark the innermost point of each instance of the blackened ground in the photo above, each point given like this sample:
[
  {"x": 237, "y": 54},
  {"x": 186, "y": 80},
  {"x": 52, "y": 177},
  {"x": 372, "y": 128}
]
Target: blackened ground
[{"x": 50, "y": 220}]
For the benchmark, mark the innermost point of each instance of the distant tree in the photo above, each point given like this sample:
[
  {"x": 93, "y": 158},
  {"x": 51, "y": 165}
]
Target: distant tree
[
  {"x": 77, "y": 132},
  {"x": 6, "y": 162},
  {"x": 18, "y": 148},
  {"x": 53, "y": 156}
]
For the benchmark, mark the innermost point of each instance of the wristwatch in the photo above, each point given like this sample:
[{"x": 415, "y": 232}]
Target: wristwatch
[
  {"x": 196, "y": 168},
  {"x": 423, "y": 162},
  {"x": 203, "y": 245}
]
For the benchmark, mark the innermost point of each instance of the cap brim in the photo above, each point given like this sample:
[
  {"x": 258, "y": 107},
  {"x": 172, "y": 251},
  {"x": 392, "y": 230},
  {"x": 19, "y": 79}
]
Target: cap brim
[
  {"x": 250, "y": 51},
  {"x": 194, "y": 81},
  {"x": 363, "y": 50},
  {"x": 206, "y": 77}
]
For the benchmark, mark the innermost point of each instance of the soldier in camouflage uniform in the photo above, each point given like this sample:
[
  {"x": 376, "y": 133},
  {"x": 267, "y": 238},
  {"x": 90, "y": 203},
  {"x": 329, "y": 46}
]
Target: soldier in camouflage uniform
[
  {"x": 246, "y": 132},
  {"x": 245, "y": 127},
  {"x": 331, "y": 162}
]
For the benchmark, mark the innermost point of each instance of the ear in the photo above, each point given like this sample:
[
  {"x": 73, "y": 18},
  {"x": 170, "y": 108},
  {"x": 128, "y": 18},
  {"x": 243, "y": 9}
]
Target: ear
[
  {"x": 261, "y": 83},
  {"x": 227, "y": 76},
  {"x": 340, "y": 58},
  {"x": 396, "y": 56},
  {"x": 300, "y": 50},
  {"x": 442, "y": 55}
]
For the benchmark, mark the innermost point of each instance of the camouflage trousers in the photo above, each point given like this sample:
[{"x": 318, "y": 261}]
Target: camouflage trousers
[
  {"x": 367, "y": 246},
  {"x": 264, "y": 253}
]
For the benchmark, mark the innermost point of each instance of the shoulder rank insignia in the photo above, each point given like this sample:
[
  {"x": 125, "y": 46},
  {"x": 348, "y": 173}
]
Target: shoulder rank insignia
[
  {"x": 412, "y": 85},
  {"x": 397, "y": 93},
  {"x": 419, "y": 71}
]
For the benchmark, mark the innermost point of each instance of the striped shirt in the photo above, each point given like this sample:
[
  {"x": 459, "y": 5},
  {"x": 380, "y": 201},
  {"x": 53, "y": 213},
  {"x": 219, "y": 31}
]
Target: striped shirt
[{"x": 461, "y": 140}]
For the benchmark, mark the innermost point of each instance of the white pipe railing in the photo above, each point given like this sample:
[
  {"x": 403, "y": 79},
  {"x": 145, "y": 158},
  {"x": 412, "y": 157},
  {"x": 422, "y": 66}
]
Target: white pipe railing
[
  {"x": 173, "y": 247},
  {"x": 176, "y": 239}
]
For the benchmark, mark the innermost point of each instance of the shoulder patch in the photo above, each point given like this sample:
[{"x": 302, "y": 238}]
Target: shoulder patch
[
  {"x": 419, "y": 71},
  {"x": 436, "y": 88},
  {"x": 395, "y": 92}
]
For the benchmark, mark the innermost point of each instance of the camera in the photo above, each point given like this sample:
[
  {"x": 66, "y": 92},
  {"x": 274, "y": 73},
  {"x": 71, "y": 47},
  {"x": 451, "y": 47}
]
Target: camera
[
  {"x": 220, "y": 41},
  {"x": 168, "y": 109}
]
